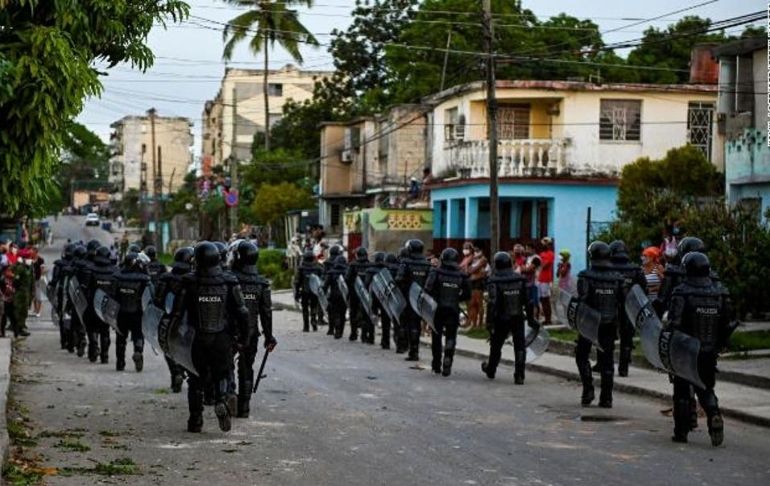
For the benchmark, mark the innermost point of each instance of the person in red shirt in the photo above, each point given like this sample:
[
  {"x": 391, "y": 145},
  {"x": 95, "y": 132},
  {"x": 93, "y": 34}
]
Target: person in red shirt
[{"x": 545, "y": 278}]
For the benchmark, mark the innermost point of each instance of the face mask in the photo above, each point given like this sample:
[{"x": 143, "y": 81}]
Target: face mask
[
  {"x": 466, "y": 252},
  {"x": 645, "y": 260}
]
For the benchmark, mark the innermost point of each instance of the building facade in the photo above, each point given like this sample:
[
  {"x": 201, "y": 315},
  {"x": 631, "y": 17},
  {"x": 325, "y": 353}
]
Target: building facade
[
  {"x": 131, "y": 164},
  {"x": 742, "y": 112},
  {"x": 237, "y": 113}
]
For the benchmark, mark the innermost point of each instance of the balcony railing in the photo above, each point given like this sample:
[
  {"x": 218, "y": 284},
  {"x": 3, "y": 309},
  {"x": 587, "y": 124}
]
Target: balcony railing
[{"x": 515, "y": 158}]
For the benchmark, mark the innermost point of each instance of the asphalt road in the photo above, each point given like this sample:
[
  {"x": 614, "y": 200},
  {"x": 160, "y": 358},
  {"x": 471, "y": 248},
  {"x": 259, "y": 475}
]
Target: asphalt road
[{"x": 332, "y": 412}]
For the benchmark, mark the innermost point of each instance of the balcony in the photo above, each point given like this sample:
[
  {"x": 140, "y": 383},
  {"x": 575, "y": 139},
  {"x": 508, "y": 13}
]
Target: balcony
[{"x": 516, "y": 158}]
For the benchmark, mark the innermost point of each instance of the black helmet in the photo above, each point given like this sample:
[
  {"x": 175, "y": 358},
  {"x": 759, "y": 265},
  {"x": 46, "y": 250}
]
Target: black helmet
[
  {"x": 403, "y": 253},
  {"x": 131, "y": 259},
  {"x": 340, "y": 261},
  {"x": 362, "y": 254},
  {"x": 598, "y": 252},
  {"x": 415, "y": 247},
  {"x": 102, "y": 255},
  {"x": 390, "y": 258},
  {"x": 449, "y": 257},
  {"x": 69, "y": 251},
  {"x": 246, "y": 253},
  {"x": 92, "y": 246},
  {"x": 502, "y": 260},
  {"x": 690, "y": 244},
  {"x": 80, "y": 252},
  {"x": 618, "y": 251},
  {"x": 696, "y": 264},
  {"x": 134, "y": 248},
  {"x": 222, "y": 250},
  {"x": 151, "y": 252},
  {"x": 184, "y": 255},
  {"x": 335, "y": 251},
  {"x": 379, "y": 257},
  {"x": 207, "y": 255},
  {"x": 308, "y": 257}
]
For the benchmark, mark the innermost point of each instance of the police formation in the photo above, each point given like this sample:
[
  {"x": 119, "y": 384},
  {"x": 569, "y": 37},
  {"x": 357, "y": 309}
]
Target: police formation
[
  {"x": 682, "y": 330},
  {"x": 203, "y": 315}
]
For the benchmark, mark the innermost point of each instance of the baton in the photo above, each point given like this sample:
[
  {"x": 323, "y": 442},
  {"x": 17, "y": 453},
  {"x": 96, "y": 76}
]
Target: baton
[{"x": 261, "y": 369}]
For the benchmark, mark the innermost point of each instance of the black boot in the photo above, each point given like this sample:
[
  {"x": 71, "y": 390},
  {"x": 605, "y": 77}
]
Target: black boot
[
  {"x": 605, "y": 397},
  {"x": 488, "y": 370},
  {"x": 588, "y": 384},
  {"x": 623, "y": 361},
  {"x": 120, "y": 358},
  {"x": 716, "y": 429},
  {"x": 177, "y": 379},
  {"x": 138, "y": 361},
  {"x": 414, "y": 345},
  {"x": 93, "y": 347},
  {"x": 681, "y": 414},
  {"x": 447, "y": 370},
  {"x": 104, "y": 351},
  {"x": 243, "y": 406},
  {"x": 520, "y": 358},
  {"x": 195, "y": 405}
]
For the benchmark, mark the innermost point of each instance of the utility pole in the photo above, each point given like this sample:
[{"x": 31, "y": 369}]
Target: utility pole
[
  {"x": 233, "y": 219},
  {"x": 157, "y": 189},
  {"x": 494, "y": 205},
  {"x": 446, "y": 58}
]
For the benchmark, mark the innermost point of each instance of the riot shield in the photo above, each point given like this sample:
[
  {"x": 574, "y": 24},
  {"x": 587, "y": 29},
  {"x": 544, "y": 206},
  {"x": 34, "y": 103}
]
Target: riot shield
[
  {"x": 52, "y": 294},
  {"x": 168, "y": 304},
  {"x": 561, "y": 305},
  {"x": 365, "y": 298},
  {"x": 150, "y": 324},
  {"x": 78, "y": 299},
  {"x": 106, "y": 309},
  {"x": 343, "y": 286},
  {"x": 666, "y": 349},
  {"x": 389, "y": 295},
  {"x": 316, "y": 286},
  {"x": 581, "y": 317},
  {"x": 146, "y": 297},
  {"x": 423, "y": 304},
  {"x": 65, "y": 296},
  {"x": 175, "y": 338},
  {"x": 536, "y": 339}
]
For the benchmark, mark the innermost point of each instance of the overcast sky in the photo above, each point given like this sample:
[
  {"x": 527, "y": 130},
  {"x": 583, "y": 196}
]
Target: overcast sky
[{"x": 188, "y": 67}]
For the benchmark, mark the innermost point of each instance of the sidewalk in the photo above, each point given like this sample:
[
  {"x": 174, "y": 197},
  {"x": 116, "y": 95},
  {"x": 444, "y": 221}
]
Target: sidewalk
[
  {"x": 5, "y": 381},
  {"x": 738, "y": 401}
]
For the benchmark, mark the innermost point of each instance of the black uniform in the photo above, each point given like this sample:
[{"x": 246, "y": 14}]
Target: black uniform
[
  {"x": 399, "y": 329},
  {"x": 155, "y": 270},
  {"x": 448, "y": 286},
  {"x": 77, "y": 338},
  {"x": 337, "y": 306},
  {"x": 58, "y": 285},
  {"x": 171, "y": 283},
  {"x": 358, "y": 317},
  {"x": 506, "y": 314},
  {"x": 130, "y": 285},
  {"x": 601, "y": 288},
  {"x": 256, "y": 295},
  {"x": 374, "y": 269},
  {"x": 413, "y": 269},
  {"x": 327, "y": 265},
  {"x": 102, "y": 277},
  {"x": 212, "y": 299},
  {"x": 632, "y": 275},
  {"x": 700, "y": 308},
  {"x": 308, "y": 299}
]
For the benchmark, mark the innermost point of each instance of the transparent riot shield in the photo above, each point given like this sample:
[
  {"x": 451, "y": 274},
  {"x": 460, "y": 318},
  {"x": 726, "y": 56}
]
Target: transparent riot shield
[
  {"x": 106, "y": 308},
  {"x": 537, "y": 339},
  {"x": 343, "y": 286},
  {"x": 581, "y": 317},
  {"x": 316, "y": 286},
  {"x": 389, "y": 295},
  {"x": 423, "y": 304},
  {"x": 78, "y": 299},
  {"x": 666, "y": 349},
  {"x": 65, "y": 296},
  {"x": 150, "y": 325},
  {"x": 146, "y": 297},
  {"x": 175, "y": 338},
  {"x": 168, "y": 304},
  {"x": 364, "y": 298}
]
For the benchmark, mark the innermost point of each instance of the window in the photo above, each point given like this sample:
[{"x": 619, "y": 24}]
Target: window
[
  {"x": 513, "y": 122},
  {"x": 620, "y": 120},
  {"x": 700, "y": 118},
  {"x": 335, "y": 214},
  {"x": 274, "y": 89},
  {"x": 451, "y": 117}
]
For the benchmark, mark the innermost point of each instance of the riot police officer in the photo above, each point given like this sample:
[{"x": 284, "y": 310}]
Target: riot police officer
[
  {"x": 170, "y": 283},
  {"x": 391, "y": 263},
  {"x": 674, "y": 272},
  {"x": 302, "y": 293},
  {"x": 700, "y": 308},
  {"x": 358, "y": 317},
  {"x": 334, "y": 252},
  {"x": 337, "y": 302},
  {"x": 448, "y": 286},
  {"x": 155, "y": 268},
  {"x": 413, "y": 269},
  {"x": 102, "y": 277},
  {"x": 58, "y": 284},
  {"x": 376, "y": 267},
  {"x": 601, "y": 288},
  {"x": 256, "y": 295},
  {"x": 506, "y": 314},
  {"x": 130, "y": 285},
  {"x": 77, "y": 270},
  {"x": 212, "y": 300},
  {"x": 632, "y": 275}
]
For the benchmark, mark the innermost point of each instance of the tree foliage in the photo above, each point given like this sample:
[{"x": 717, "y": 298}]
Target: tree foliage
[
  {"x": 272, "y": 201},
  {"x": 84, "y": 162},
  {"x": 49, "y": 50}
]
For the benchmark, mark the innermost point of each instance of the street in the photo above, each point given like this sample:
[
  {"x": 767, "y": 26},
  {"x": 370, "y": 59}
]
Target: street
[{"x": 334, "y": 412}]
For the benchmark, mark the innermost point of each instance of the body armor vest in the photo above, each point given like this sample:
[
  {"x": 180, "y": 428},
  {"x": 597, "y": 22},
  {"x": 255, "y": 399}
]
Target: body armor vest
[
  {"x": 448, "y": 287},
  {"x": 511, "y": 295},
  {"x": 252, "y": 287},
  {"x": 418, "y": 269},
  {"x": 603, "y": 289},
  {"x": 129, "y": 288},
  {"x": 702, "y": 317},
  {"x": 210, "y": 303},
  {"x": 155, "y": 269},
  {"x": 103, "y": 277},
  {"x": 306, "y": 272}
]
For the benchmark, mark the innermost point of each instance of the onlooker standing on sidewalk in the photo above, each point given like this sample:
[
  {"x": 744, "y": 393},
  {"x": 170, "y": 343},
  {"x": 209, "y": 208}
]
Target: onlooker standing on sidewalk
[
  {"x": 38, "y": 272},
  {"x": 478, "y": 271},
  {"x": 564, "y": 272},
  {"x": 22, "y": 284},
  {"x": 545, "y": 278},
  {"x": 653, "y": 271},
  {"x": 7, "y": 293},
  {"x": 519, "y": 258},
  {"x": 465, "y": 264}
]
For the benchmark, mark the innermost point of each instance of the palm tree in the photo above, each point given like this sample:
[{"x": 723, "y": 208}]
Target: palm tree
[{"x": 268, "y": 22}]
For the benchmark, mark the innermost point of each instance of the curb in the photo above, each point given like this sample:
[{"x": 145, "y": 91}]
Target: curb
[{"x": 6, "y": 349}]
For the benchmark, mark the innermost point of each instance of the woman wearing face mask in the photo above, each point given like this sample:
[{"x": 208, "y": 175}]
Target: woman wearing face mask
[
  {"x": 478, "y": 271},
  {"x": 465, "y": 264},
  {"x": 653, "y": 270}
]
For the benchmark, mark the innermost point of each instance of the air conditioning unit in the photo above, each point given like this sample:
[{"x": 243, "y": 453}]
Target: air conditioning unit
[
  {"x": 346, "y": 156},
  {"x": 458, "y": 132}
]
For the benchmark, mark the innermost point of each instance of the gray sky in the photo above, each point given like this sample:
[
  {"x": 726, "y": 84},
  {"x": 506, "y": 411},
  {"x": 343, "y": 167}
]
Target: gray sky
[{"x": 188, "y": 67}]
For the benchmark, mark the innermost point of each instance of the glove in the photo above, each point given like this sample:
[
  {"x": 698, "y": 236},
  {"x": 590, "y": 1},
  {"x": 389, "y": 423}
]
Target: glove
[{"x": 270, "y": 343}]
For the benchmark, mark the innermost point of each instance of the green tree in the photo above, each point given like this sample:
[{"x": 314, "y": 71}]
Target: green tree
[
  {"x": 266, "y": 23},
  {"x": 84, "y": 163},
  {"x": 272, "y": 201},
  {"x": 49, "y": 53}
]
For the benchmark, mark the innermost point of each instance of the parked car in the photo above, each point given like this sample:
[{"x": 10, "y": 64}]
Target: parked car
[{"x": 92, "y": 219}]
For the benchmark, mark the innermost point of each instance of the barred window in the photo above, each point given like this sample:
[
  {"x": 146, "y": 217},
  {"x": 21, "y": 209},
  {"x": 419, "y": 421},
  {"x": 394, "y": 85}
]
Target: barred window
[{"x": 620, "y": 120}]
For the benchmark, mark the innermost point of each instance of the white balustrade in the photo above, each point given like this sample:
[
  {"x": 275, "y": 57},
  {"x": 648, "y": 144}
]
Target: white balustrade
[{"x": 516, "y": 158}]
